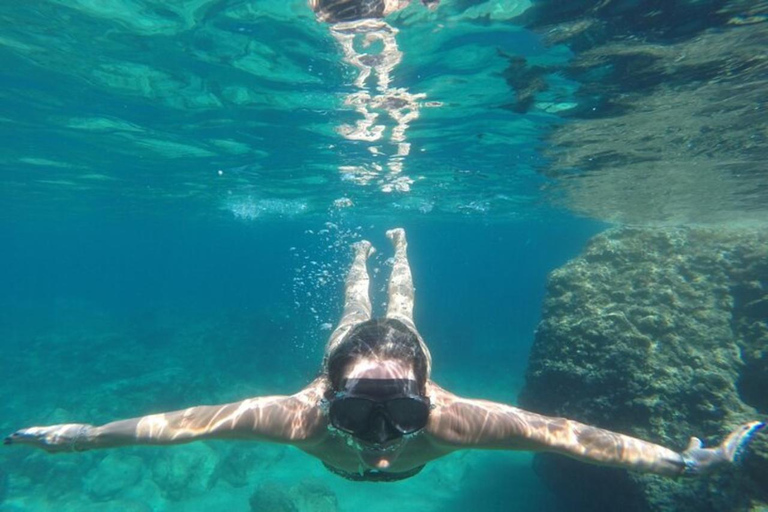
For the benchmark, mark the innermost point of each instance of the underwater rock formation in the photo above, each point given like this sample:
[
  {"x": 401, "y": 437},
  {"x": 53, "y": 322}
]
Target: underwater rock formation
[
  {"x": 183, "y": 473},
  {"x": 271, "y": 497},
  {"x": 660, "y": 334},
  {"x": 306, "y": 496},
  {"x": 315, "y": 497},
  {"x": 236, "y": 466},
  {"x": 114, "y": 474},
  {"x": 237, "y": 463}
]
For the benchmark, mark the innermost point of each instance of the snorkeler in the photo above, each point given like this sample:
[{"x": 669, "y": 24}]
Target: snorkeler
[
  {"x": 369, "y": 46},
  {"x": 374, "y": 414},
  {"x": 335, "y": 11}
]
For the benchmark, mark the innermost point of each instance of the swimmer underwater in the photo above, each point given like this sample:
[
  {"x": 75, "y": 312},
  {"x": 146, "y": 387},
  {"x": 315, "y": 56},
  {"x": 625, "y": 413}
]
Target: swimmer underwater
[
  {"x": 336, "y": 11},
  {"x": 374, "y": 414}
]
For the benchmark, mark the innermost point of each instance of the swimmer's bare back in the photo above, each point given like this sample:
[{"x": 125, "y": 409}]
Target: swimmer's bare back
[{"x": 454, "y": 423}]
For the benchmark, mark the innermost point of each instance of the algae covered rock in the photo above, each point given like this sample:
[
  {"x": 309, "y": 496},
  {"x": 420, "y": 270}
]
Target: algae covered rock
[
  {"x": 114, "y": 474},
  {"x": 271, "y": 497},
  {"x": 315, "y": 496},
  {"x": 306, "y": 496},
  {"x": 185, "y": 471},
  {"x": 660, "y": 334},
  {"x": 35, "y": 472},
  {"x": 240, "y": 460}
]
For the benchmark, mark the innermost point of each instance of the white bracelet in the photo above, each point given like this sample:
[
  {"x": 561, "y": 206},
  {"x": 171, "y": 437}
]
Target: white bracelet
[
  {"x": 81, "y": 433},
  {"x": 690, "y": 466}
]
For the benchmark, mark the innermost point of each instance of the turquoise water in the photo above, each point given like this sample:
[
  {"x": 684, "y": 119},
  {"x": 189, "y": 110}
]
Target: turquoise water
[
  {"x": 181, "y": 182},
  {"x": 112, "y": 320}
]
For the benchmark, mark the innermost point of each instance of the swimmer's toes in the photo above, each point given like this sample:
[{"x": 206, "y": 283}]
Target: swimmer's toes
[
  {"x": 365, "y": 247},
  {"x": 397, "y": 235}
]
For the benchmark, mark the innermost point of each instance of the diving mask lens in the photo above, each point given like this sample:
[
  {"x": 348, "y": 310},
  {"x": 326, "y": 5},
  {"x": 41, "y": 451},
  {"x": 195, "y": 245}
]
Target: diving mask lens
[
  {"x": 353, "y": 414},
  {"x": 408, "y": 414}
]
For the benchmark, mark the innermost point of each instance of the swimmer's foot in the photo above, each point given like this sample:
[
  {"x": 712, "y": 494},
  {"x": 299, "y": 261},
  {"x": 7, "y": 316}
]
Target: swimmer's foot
[
  {"x": 363, "y": 249},
  {"x": 397, "y": 236}
]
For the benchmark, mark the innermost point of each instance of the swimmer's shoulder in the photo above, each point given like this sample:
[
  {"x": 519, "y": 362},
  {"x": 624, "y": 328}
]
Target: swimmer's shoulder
[
  {"x": 315, "y": 392},
  {"x": 439, "y": 397}
]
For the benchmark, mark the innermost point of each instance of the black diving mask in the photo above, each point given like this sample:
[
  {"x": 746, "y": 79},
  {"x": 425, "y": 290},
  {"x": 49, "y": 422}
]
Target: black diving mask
[{"x": 368, "y": 405}]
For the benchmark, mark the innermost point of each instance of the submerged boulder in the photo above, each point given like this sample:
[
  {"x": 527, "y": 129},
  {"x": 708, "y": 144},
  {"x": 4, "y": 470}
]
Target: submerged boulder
[
  {"x": 270, "y": 497},
  {"x": 239, "y": 461},
  {"x": 114, "y": 474},
  {"x": 306, "y": 496},
  {"x": 660, "y": 334},
  {"x": 315, "y": 496},
  {"x": 184, "y": 472}
]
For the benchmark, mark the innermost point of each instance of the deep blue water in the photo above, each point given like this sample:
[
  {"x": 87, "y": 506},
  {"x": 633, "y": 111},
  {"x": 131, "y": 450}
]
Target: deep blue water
[
  {"x": 479, "y": 286},
  {"x": 180, "y": 184}
]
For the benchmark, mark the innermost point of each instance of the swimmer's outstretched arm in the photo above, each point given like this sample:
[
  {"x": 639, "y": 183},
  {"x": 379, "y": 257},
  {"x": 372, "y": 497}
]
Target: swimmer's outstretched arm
[
  {"x": 462, "y": 424},
  {"x": 294, "y": 419}
]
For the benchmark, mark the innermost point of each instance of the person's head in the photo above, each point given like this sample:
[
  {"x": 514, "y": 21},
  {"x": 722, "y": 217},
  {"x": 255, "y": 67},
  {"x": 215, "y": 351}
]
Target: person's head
[
  {"x": 378, "y": 348},
  {"x": 378, "y": 377}
]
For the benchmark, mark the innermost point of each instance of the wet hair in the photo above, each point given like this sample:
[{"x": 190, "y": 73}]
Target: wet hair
[
  {"x": 384, "y": 338},
  {"x": 350, "y": 10}
]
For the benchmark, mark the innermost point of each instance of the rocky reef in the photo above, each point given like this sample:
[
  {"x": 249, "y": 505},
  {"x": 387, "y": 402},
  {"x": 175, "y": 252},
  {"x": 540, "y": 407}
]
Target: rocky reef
[
  {"x": 661, "y": 334},
  {"x": 115, "y": 474},
  {"x": 306, "y": 496}
]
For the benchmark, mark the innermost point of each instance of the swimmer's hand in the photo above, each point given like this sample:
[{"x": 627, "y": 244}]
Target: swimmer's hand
[
  {"x": 70, "y": 437},
  {"x": 698, "y": 459}
]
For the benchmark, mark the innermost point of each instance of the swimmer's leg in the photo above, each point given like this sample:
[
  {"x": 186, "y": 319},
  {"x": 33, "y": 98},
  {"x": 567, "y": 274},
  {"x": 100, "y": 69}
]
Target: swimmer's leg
[
  {"x": 401, "y": 294},
  {"x": 357, "y": 303},
  {"x": 400, "y": 304}
]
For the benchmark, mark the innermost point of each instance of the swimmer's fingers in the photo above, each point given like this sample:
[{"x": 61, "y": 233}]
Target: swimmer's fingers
[
  {"x": 53, "y": 439},
  {"x": 735, "y": 442},
  {"x": 33, "y": 436}
]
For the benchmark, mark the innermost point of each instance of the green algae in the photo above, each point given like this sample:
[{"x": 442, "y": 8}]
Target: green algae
[{"x": 649, "y": 332}]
